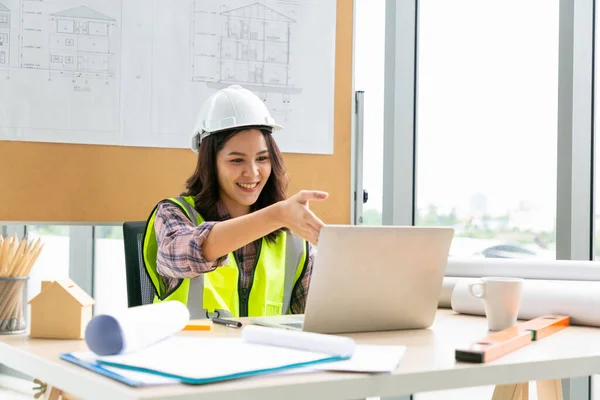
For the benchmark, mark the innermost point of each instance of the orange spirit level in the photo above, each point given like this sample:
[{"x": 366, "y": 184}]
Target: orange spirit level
[
  {"x": 545, "y": 325},
  {"x": 508, "y": 340}
]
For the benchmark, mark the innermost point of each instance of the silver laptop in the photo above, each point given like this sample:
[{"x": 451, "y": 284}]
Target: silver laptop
[{"x": 369, "y": 278}]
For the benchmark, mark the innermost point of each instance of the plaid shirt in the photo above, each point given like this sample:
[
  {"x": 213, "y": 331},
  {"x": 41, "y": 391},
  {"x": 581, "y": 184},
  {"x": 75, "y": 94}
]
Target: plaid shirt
[{"x": 180, "y": 252}]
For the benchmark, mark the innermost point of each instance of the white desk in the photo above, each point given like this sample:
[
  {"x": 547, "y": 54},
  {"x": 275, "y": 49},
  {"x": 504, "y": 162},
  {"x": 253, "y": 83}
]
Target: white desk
[{"x": 428, "y": 365}]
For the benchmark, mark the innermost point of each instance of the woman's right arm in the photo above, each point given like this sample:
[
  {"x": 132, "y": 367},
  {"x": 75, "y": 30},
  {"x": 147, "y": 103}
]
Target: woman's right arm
[
  {"x": 179, "y": 241},
  {"x": 292, "y": 213}
]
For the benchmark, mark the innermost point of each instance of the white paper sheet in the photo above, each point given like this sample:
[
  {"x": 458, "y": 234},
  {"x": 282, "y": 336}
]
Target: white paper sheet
[
  {"x": 578, "y": 299},
  {"x": 368, "y": 358}
]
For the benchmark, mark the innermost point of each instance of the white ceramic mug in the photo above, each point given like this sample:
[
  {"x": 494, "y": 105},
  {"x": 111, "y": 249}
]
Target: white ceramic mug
[{"x": 501, "y": 300}]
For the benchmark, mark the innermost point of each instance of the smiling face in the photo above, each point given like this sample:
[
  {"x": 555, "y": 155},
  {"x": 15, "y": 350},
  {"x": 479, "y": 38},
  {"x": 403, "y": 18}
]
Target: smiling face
[{"x": 243, "y": 168}]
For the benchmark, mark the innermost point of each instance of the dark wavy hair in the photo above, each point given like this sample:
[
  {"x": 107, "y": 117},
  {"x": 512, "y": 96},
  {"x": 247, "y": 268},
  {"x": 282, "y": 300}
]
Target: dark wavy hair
[{"x": 203, "y": 185}]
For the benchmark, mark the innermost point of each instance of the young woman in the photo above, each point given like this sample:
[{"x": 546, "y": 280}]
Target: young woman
[{"x": 232, "y": 245}]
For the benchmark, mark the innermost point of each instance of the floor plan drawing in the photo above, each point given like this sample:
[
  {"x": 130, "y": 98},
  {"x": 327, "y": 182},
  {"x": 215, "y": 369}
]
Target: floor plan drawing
[
  {"x": 5, "y": 19},
  {"x": 80, "y": 41}
]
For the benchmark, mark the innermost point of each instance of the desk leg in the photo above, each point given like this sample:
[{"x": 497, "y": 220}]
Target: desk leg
[
  {"x": 546, "y": 390},
  {"x": 518, "y": 391},
  {"x": 57, "y": 394},
  {"x": 549, "y": 390},
  {"x": 53, "y": 393}
]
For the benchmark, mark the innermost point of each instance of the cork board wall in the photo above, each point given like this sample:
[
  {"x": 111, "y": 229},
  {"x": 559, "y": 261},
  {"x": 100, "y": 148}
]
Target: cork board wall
[{"x": 52, "y": 182}]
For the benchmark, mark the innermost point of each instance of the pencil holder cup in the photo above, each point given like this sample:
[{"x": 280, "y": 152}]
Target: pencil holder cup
[{"x": 13, "y": 305}]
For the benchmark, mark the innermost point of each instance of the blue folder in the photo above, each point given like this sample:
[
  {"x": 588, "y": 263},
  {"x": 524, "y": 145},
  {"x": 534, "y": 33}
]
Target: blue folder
[
  {"x": 195, "y": 381},
  {"x": 134, "y": 380}
]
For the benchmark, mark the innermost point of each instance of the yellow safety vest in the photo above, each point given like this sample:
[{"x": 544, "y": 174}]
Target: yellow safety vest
[{"x": 279, "y": 266}]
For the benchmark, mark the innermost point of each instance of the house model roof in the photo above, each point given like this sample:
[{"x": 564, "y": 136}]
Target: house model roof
[
  {"x": 69, "y": 287},
  {"x": 3, "y": 8},
  {"x": 82, "y": 12}
]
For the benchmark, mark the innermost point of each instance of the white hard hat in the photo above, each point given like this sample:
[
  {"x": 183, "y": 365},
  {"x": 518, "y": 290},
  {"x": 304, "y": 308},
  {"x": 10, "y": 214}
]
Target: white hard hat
[{"x": 228, "y": 108}]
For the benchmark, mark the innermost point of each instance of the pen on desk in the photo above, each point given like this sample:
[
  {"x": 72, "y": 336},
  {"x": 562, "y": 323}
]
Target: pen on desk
[{"x": 235, "y": 324}]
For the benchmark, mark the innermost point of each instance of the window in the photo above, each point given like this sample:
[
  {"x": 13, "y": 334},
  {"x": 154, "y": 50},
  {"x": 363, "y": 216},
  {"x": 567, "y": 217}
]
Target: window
[
  {"x": 3, "y": 39},
  {"x": 64, "y": 26},
  {"x": 93, "y": 257},
  {"x": 81, "y": 28},
  {"x": 98, "y": 29},
  {"x": 69, "y": 42},
  {"x": 486, "y": 125},
  {"x": 3, "y": 19},
  {"x": 368, "y": 76},
  {"x": 53, "y": 261},
  {"x": 110, "y": 288}
]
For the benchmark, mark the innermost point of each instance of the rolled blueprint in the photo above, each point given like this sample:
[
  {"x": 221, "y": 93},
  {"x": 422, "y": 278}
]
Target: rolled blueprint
[
  {"x": 579, "y": 300},
  {"x": 135, "y": 328},
  {"x": 559, "y": 270},
  {"x": 446, "y": 292}
]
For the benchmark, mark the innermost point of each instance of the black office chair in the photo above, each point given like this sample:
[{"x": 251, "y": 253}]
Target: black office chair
[{"x": 140, "y": 290}]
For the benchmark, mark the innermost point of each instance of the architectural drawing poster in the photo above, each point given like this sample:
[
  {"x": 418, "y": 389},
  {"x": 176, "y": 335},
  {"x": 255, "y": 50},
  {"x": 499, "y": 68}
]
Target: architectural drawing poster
[{"x": 135, "y": 72}]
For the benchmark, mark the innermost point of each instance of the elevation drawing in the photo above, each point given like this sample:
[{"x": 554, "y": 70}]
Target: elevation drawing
[
  {"x": 255, "y": 47},
  {"x": 4, "y": 35},
  {"x": 80, "y": 41},
  {"x": 64, "y": 70},
  {"x": 252, "y": 47}
]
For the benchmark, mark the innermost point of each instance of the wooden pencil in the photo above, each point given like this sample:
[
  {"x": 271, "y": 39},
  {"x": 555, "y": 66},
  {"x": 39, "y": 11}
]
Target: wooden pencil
[{"x": 17, "y": 258}]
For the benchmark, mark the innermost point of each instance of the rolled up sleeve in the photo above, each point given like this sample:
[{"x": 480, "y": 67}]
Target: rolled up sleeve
[{"x": 180, "y": 244}]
